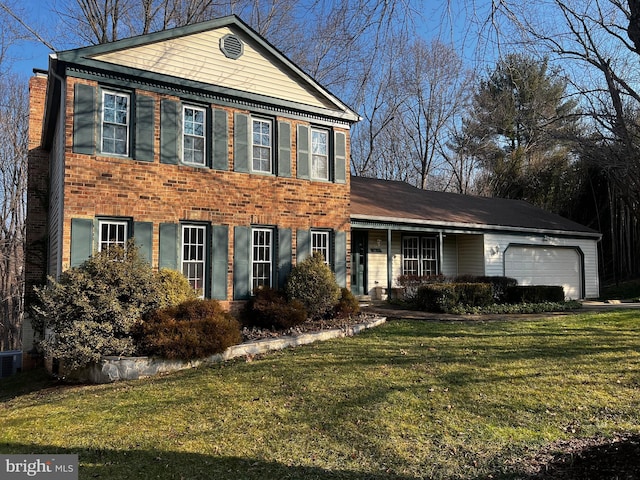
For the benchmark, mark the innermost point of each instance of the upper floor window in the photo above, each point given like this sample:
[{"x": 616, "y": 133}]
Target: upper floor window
[
  {"x": 193, "y": 256},
  {"x": 115, "y": 123},
  {"x": 319, "y": 154},
  {"x": 320, "y": 243},
  {"x": 112, "y": 233},
  {"x": 193, "y": 134},
  {"x": 262, "y": 145},
  {"x": 261, "y": 257}
]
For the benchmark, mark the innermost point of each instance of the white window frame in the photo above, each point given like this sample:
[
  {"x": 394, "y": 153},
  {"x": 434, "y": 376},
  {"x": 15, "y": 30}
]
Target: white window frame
[
  {"x": 262, "y": 246},
  {"x": 429, "y": 256},
  {"x": 193, "y": 254},
  {"x": 419, "y": 255},
  {"x": 321, "y": 242},
  {"x": 112, "y": 225},
  {"x": 260, "y": 146},
  {"x": 194, "y": 135},
  {"x": 318, "y": 154},
  {"x": 126, "y": 125}
]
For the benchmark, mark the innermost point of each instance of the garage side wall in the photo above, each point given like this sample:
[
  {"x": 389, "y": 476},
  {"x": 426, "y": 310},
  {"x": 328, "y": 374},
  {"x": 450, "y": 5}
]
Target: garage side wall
[{"x": 495, "y": 246}]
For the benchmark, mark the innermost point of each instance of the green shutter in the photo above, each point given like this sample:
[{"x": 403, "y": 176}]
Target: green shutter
[
  {"x": 219, "y": 256},
  {"x": 303, "y": 245},
  {"x": 284, "y": 149},
  {"x": 168, "y": 257},
  {"x": 169, "y": 131},
  {"x": 340, "y": 258},
  {"x": 220, "y": 140},
  {"x": 340, "y": 158},
  {"x": 84, "y": 119},
  {"x": 145, "y": 127},
  {"x": 241, "y": 263},
  {"x": 81, "y": 240},
  {"x": 284, "y": 255},
  {"x": 143, "y": 235},
  {"x": 241, "y": 143},
  {"x": 304, "y": 159}
]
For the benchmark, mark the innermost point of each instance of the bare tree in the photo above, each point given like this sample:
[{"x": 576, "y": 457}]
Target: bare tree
[
  {"x": 14, "y": 111},
  {"x": 597, "y": 44}
]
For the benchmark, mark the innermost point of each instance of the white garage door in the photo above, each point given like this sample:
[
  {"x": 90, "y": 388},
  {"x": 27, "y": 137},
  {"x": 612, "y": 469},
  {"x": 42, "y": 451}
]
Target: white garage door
[{"x": 532, "y": 265}]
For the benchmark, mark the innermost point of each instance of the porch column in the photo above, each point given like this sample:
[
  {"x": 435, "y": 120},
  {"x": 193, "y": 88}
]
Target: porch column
[
  {"x": 440, "y": 252},
  {"x": 389, "y": 263}
]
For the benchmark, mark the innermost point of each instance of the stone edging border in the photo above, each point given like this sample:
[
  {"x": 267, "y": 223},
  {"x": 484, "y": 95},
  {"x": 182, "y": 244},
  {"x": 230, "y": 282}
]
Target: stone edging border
[{"x": 114, "y": 369}]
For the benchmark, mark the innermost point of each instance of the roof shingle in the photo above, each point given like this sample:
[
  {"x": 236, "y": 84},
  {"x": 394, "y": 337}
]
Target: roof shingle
[{"x": 388, "y": 200}]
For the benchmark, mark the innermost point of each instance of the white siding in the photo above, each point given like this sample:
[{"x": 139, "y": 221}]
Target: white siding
[
  {"x": 449, "y": 265},
  {"x": 497, "y": 244},
  {"x": 198, "y": 57},
  {"x": 471, "y": 255}
]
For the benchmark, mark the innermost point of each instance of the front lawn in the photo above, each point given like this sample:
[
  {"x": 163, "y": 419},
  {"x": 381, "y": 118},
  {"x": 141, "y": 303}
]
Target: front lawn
[{"x": 408, "y": 400}]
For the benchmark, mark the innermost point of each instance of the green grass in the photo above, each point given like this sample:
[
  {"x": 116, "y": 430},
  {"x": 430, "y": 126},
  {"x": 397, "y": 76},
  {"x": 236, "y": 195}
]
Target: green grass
[{"x": 408, "y": 400}]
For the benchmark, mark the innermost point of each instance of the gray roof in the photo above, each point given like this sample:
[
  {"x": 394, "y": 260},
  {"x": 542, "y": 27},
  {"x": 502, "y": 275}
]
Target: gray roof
[{"x": 398, "y": 202}]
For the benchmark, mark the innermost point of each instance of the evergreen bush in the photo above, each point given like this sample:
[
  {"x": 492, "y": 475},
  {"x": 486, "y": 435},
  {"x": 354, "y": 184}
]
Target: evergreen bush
[
  {"x": 312, "y": 282},
  {"x": 90, "y": 311},
  {"x": 191, "y": 330},
  {"x": 348, "y": 305},
  {"x": 176, "y": 288},
  {"x": 269, "y": 308}
]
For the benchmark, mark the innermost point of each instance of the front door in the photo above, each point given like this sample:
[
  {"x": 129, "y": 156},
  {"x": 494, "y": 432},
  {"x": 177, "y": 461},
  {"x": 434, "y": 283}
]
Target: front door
[{"x": 359, "y": 263}]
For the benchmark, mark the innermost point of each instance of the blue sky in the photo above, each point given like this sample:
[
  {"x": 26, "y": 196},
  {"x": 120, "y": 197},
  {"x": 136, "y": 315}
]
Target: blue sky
[{"x": 33, "y": 54}]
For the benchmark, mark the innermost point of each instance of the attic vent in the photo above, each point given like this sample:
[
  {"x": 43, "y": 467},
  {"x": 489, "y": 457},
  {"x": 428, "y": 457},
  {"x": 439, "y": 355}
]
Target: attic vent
[{"x": 231, "y": 46}]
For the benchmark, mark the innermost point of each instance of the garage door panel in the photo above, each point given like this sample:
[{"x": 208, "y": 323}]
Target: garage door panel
[{"x": 532, "y": 265}]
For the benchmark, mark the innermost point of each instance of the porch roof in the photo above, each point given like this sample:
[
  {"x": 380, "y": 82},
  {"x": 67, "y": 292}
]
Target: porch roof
[{"x": 398, "y": 202}]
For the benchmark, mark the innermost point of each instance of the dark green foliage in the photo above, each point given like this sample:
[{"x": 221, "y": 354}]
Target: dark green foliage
[
  {"x": 534, "y": 294},
  {"x": 499, "y": 285},
  {"x": 93, "y": 307},
  {"x": 191, "y": 330},
  {"x": 348, "y": 305},
  {"x": 312, "y": 282},
  {"x": 269, "y": 308},
  {"x": 443, "y": 297}
]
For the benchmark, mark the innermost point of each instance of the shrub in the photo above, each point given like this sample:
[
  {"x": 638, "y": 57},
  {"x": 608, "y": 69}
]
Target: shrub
[
  {"x": 193, "y": 329},
  {"x": 347, "y": 306},
  {"x": 534, "y": 294},
  {"x": 312, "y": 282},
  {"x": 92, "y": 308},
  {"x": 444, "y": 297},
  {"x": 411, "y": 284},
  {"x": 269, "y": 308},
  {"x": 175, "y": 289},
  {"x": 499, "y": 285}
]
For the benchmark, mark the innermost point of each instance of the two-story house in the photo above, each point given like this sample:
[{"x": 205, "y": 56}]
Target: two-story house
[
  {"x": 220, "y": 156},
  {"x": 225, "y": 161}
]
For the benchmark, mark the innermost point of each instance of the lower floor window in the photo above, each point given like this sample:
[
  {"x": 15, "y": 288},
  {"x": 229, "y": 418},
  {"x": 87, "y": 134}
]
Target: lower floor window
[
  {"x": 419, "y": 256},
  {"x": 261, "y": 258},
  {"x": 320, "y": 244},
  {"x": 193, "y": 256},
  {"x": 112, "y": 233}
]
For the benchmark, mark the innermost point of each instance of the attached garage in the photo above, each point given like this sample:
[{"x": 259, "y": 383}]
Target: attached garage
[
  {"x": 472, "y": 236},
  {"x": 541, "y": 265}
]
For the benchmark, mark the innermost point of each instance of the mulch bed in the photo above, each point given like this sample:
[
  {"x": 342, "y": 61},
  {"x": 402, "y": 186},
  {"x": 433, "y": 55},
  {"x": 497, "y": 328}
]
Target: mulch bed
[{"x": 254, "y": 333}]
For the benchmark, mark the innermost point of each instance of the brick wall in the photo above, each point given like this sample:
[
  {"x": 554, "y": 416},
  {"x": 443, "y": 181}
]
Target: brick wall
[
  {"x": 37, "y": 191},
  {"x": 153, "y": 192}
]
